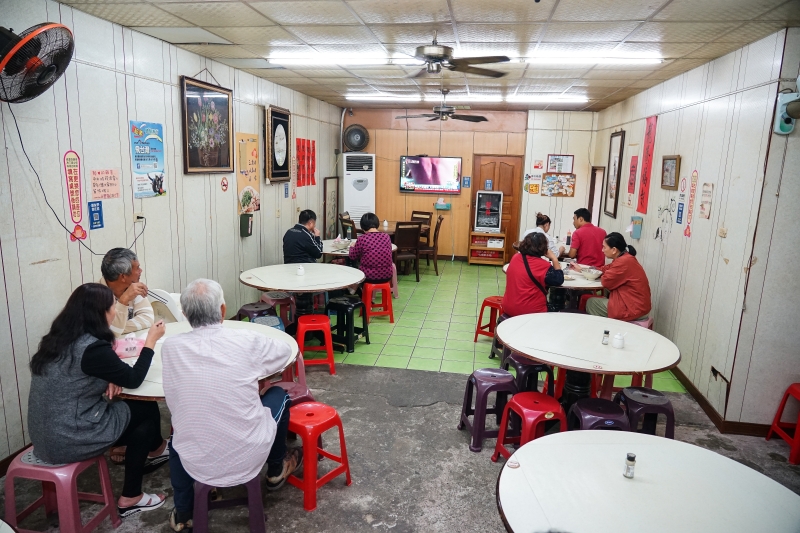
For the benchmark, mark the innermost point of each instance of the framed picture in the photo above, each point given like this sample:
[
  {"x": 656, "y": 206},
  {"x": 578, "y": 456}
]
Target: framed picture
[
  {"x": 278, "y": 144},
  {"x": 558, "y": 185},
  {"x": 207, "y": 127},
  {"x": 560, "y": 163},
  {"x": 615, "y": 148},
  {"x": 670, "y": 172},
  {"x": 330, "y": 206}
]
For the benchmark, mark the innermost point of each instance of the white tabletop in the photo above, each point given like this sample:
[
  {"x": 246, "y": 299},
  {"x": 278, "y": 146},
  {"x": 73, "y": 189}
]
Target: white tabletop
[
  {"x": 318, "y": 277},
  {"x": 5, "y": 528},
  {"x": 153, "y": 387},
  {"x": 573, "y": 341},
  {"x": 327, "y": 248},
  {"x": 677, "y": 487}
]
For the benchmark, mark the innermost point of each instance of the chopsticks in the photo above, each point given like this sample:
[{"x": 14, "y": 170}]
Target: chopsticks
[{"x": 155, "y": 296}]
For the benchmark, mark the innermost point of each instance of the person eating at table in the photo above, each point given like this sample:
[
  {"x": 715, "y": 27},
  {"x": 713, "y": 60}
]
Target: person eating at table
[
  {"x": 373, "y": 251},
  {"x": 223, "y": 431},
  {"x": 543, "y": 224},
  {"x": 529, "y": 275},
  {"x": 587, "y": 240},
  {"x": 302, "y": 243},
  {"x": 73, "y": 412},
  {"x": 121, "y": 272},
  {"x": 626, "y": 282}
]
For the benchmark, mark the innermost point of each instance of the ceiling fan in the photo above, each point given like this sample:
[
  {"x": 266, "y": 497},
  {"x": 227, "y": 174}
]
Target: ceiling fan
[
  {"x": 446, "y": 112},
  {"x": 437, "y": 56}
]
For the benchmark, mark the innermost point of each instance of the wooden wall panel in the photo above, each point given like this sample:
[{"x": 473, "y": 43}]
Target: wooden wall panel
[
  {"x": 192, "y": 232},
  {"x": 491, "y": 143},
  {"x": 516, "y": 144}
]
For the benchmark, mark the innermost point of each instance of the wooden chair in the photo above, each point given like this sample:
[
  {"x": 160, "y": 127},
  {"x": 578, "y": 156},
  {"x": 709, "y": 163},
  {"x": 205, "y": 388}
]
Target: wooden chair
[
  {"x": 347, "y": 223},
  {"x": 425, "y": 217},
  {"x": 406, "y": 238},
  {"x": 429, "y": 251}
]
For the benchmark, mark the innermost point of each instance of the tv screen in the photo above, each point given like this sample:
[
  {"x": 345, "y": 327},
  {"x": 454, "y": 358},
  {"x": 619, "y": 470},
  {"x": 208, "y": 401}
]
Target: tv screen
[{"x": 441, "y": 175}]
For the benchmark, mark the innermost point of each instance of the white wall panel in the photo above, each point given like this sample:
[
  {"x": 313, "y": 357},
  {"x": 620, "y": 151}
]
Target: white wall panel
[{"x": 119, "y": 75}]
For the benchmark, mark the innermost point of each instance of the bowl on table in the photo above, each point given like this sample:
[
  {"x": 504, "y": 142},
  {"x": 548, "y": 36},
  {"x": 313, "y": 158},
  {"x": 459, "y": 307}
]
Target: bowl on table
[
  {"x": 591, "y": 274},
  {"x": 341, "y": 245}
]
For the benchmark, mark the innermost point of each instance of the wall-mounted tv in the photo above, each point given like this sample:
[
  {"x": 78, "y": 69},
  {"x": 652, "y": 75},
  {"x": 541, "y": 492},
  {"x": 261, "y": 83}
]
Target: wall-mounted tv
[{"x": 440, "y": 175}]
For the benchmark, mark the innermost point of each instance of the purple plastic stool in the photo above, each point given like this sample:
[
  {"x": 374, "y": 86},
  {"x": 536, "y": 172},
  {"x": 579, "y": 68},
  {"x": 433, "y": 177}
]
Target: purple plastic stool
[
  {"x": 202, "y": 505},
  {"x": 641, "y": 401},
  {"x": 528, "y": 373},
  {"x": 484, "y": 381},
  {"x": 254, "y": 310},
  {"x": 597, "y": 413}
]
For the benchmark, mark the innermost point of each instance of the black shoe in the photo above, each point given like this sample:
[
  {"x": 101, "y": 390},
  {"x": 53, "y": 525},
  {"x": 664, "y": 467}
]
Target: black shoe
[{"x": 291, "y": 463}]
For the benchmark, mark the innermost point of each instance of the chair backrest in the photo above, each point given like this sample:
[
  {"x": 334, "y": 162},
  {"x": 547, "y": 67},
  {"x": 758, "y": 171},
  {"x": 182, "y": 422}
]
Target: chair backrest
[
  {"x": 347, "y": 223},
  {"x": 164, "y": 307},
  {"x": 422, "y": 216},
  {"x": 436, "y": 232},
  {"x": 406, "y": 235}
]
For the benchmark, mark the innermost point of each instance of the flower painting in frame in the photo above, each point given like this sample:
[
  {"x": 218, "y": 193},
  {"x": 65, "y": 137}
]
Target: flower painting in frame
[{"x": 207, "y": 127}]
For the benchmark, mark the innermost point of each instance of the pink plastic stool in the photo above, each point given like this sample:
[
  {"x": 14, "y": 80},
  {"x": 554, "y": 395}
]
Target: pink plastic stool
[
  {"x": 60, "y": 493},
  {"x": 284, "y": 301}
]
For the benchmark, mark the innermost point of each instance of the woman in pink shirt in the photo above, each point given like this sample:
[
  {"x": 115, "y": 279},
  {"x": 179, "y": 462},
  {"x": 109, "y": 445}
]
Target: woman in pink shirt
[{"x": 373, "y": 250}]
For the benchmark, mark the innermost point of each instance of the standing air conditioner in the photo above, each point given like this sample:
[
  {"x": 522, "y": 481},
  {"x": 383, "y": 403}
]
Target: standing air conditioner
[{"x": 358, "y": 194}]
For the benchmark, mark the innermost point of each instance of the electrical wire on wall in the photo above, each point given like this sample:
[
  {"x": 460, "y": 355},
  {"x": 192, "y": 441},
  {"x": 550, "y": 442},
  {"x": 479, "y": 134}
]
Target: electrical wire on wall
[{"x": 44, "y": 195}]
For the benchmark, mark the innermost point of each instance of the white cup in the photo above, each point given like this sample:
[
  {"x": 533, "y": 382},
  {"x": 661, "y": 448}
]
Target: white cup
[
  {"x": 301, "y": 271},
  {"x": 618, "y": 341}
]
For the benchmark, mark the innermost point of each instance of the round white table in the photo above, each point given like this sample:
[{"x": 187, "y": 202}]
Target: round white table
[
  {"x": 572, "y": 481},
  {"x": 5, "y": 528},
  {"x": 578, "y": 283},
  {"x": 153, "y": 389},
  {"x": 327, "y": 249},
  {"x": 572, "y": 342},
  {"x": 318, "y": 277}
]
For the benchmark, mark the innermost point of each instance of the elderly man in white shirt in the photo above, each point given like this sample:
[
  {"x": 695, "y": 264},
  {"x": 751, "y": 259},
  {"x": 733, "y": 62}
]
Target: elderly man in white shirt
[{"x": 223, "y": 431}]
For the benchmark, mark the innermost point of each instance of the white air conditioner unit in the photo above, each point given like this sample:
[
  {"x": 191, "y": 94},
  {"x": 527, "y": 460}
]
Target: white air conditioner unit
[{"x": 358, "y": 186}]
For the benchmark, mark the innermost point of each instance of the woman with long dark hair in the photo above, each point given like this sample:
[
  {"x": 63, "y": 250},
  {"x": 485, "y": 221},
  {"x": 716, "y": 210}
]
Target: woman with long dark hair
[
  {"x": 529, "y": 275},
  {"x": 626, "y": 282},
  {"x": 75, "y": 376}
]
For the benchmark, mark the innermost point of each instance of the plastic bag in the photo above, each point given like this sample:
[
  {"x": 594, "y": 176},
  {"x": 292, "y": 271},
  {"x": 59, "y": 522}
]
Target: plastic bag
[{"x": 128, "y": 346}]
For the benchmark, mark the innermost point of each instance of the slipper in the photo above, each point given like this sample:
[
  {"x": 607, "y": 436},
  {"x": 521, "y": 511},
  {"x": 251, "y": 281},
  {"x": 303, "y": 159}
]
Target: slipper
[
  {"x": 148, "y": 502},
  {"x": 117, "y": 455},
  {"x": 151, "y": 464}
]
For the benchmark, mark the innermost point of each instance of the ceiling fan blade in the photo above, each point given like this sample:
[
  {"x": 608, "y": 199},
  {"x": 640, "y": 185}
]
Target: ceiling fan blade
[
  {"x": 418, "y": 116},
  {"x": 437, "y": 118},
  {"x": 479, "y": 60},
  {"x": 469, "y": 118},
  {"x": 466, "y": 69},
  {"x": 461, "y": 107}
]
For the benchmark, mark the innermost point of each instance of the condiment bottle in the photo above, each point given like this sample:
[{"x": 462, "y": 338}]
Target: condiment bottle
[
  {"x": 630, "y": 463},
  {"x": 605, "y": 337},
  {"x": 569, "y": 237},
  {"x": 349, "y": 236}
]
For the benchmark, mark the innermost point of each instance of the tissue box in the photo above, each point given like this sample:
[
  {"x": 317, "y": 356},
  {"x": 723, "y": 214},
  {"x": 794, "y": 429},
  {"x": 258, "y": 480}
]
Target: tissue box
[
  {"x": 442, "y": 207},
  {"x": 494, "y": 243}
]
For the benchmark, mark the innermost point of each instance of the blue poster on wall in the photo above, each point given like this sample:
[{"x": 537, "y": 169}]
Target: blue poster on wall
[
  {"x": 147, "y": 159},
  {"x": 95, "y": 215}
]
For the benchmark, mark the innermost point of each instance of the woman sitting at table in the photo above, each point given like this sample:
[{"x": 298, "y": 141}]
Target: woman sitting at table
[
  {"x": 543, "y": 223},
  {"x": 626, "y": 282},
  {"x": 373, "y": 251},
  {"x": 529, "y": 275},
  {"x": 75, "y": 376}
]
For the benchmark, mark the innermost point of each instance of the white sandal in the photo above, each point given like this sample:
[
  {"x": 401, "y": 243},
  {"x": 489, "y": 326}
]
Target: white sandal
[{"x": 148, "y": 502}]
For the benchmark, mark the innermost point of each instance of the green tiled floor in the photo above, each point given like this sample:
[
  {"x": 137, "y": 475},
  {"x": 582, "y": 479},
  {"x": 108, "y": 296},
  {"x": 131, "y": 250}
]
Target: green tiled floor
[{"x": 434, "y": 324}]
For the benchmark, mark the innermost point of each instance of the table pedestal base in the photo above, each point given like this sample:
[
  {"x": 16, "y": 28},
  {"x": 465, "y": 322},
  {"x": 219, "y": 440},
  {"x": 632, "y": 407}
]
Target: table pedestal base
[{"x": 576, "y": 386}]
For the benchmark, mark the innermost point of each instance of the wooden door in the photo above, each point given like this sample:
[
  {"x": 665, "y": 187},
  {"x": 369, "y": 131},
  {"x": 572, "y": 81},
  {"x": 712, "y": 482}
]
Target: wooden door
[{"x": 506, "y": 175}]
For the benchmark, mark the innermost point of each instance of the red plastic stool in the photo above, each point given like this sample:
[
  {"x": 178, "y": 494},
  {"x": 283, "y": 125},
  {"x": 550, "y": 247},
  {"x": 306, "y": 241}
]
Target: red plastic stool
[
  {"x": 310, "y": 420},
  {"x": 560, "y": 380},
  {"x": 386, "y": 300},
  {"x": 776, "y": 427},
  {"x": 321, "y": 323},
  {"x": 60, "y": 493},
  {"x": 534, "y": 408},
  {"x": 495, "y": 304},
  {"x": 285, "y": 302}
]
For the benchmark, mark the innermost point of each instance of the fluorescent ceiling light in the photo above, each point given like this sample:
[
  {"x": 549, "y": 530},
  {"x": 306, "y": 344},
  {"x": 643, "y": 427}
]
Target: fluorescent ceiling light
[
  {"x": 545, "y": 99},
  {"x": 383, "y": 98},
  {"x": 575, "y": 60},
  {"x": 464, "y": 98}
]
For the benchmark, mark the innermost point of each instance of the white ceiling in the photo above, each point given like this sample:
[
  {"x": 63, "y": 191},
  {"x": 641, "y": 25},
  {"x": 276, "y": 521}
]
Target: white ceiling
[{"x": 686, "y": 33}]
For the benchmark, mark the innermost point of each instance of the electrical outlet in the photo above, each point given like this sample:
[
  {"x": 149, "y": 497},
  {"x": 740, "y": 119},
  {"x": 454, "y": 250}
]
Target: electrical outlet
[
  {"x": 723, "y": 232},
  {"x": 138, "y": 217},
  {"x": 277, "y": 213}
]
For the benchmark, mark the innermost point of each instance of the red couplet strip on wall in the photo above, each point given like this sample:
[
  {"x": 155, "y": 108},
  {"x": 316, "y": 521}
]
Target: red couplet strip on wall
[{"x": 647, "y": 164}]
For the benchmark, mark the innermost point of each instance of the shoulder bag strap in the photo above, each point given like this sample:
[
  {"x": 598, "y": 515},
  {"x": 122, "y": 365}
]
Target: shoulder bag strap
[{"x": 530, "y": 274}]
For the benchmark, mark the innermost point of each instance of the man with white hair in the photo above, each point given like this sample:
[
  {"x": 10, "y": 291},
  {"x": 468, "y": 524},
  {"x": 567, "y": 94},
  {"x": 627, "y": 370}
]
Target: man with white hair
[
  {"x": 222, "y": 432},
  {"x": 121, "y": 272}
]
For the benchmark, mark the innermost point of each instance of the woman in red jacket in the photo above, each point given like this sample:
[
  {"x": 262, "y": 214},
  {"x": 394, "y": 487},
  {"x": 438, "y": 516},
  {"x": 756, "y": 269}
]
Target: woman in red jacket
[
  {"x": 524, "y": 295},
  {"x": 626, "y": 282}
]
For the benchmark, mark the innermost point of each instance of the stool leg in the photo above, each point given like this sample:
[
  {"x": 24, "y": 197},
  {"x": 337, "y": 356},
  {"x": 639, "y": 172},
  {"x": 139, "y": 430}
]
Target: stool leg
[
  {"x": 200, "y": 514},
  {"x": 466, "y": 406},
  {"x": 365, "y": 326},
  {"x": 69, "y": 511},
  {"x": 778, "y": 415},
  {"x": 11, "y": 502},
  {"x": 608, "y": 387},
  {"x": 309, "y": 474},
  {"x": 648, "y": 381},
  {"x": 50, "y": 497},
  {"x": 388, "y": 297},
  {"x": 343, "y": 452},
  {"x": 478, "y": 422},
  {"x": 329, "y": 350},
  {"x": 670, "y": 431},
  {"x": 492, "y": 320},
  {"x": 794, "y": 451},
  {"x": 499, "y": 447},
  {"x": 108, "y": 491},
  {"x": 478, "y": 326},
  {"x": 561, "y": 379},
  {"x": 255, "y": 506},
  {"x": 351, "y": 334}
]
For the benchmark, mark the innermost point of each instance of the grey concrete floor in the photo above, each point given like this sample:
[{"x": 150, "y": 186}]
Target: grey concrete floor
[{"x": 412, "y": 470}]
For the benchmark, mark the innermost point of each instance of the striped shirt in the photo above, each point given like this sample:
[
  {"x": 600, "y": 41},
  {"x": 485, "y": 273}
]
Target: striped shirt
[
  {"x": 136, "y": 316},
  {"x": 221, "y": 431}
]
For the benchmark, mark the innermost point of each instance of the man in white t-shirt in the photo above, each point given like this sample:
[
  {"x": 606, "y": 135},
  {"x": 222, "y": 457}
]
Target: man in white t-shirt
[{"x": 223, "y": 432}]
